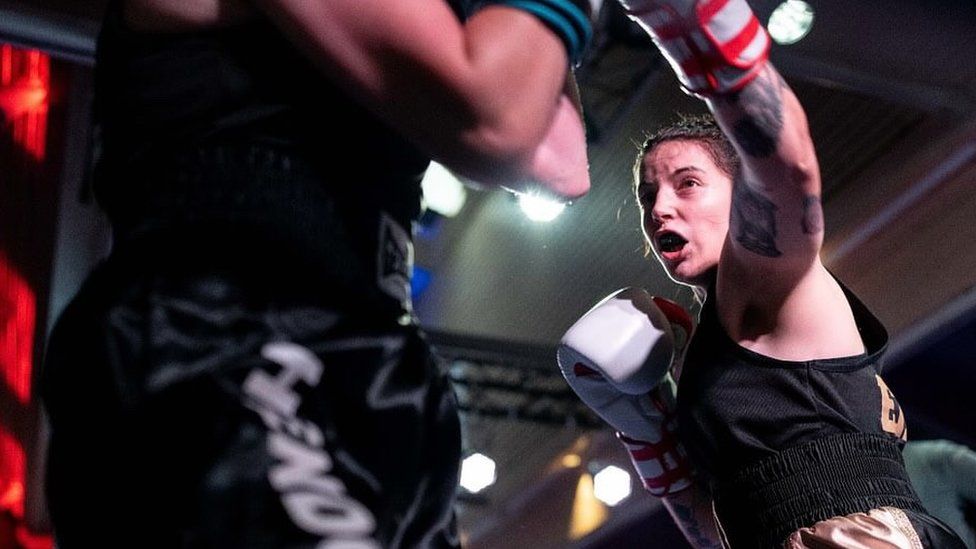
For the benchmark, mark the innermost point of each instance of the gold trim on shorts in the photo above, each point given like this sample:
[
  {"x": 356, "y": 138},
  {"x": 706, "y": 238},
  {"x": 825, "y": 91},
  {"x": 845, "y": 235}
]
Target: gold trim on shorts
[{"x": 883, "y": 528}]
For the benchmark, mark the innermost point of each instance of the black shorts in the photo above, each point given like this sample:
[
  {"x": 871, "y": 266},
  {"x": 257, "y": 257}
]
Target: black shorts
[{"x": 202, "y": 407}]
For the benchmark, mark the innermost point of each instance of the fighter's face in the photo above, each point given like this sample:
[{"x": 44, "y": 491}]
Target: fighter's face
[{"x": 685, "y": 200}]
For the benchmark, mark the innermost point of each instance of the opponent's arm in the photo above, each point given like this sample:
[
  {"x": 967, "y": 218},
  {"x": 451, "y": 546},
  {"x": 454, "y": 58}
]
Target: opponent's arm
[
  {"x": 479, "y": 97},
  {"x": 561, "y": 157}
]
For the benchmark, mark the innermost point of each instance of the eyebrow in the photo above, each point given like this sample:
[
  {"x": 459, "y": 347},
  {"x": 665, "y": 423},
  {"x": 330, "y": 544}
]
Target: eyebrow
[
  {"x": 679, "y": 171},
  {"x": 684, "y": 169}
]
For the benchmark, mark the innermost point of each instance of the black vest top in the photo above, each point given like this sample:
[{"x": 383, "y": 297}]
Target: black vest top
[{"x": 785, "y": 444}]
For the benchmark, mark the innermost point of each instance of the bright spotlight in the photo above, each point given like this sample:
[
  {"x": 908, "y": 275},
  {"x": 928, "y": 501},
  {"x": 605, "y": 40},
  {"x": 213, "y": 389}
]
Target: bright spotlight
[
  {"x": 790, "y": 21},
  {"x": 443, "y": 192},
  {"x": 477, "y": 473},
  {"x": 540, "y": 209},
  {"x": 611, "y": 485}
]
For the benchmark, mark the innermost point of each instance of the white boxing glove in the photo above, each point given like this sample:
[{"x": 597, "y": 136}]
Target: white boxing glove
[
  {"x": 617, "y": 358},
  {"x": 714, "y": 46}
]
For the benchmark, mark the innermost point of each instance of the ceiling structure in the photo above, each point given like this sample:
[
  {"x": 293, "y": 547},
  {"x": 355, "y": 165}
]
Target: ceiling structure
[{"x": 890, "y": 92}]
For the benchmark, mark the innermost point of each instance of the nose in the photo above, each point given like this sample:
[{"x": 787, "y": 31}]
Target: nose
[{"x": 662, "y": 209}]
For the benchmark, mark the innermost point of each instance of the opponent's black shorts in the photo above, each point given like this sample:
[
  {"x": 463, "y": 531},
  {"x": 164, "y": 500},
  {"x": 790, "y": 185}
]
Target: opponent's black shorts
[{"x": 214, "y": 407}]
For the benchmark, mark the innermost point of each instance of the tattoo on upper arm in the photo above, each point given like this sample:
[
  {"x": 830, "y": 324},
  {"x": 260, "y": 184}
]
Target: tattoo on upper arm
[
  {"x": 753, "y": 219},
  {"x": 813, "y": 220},
  {"x": 758, "y": 132}
]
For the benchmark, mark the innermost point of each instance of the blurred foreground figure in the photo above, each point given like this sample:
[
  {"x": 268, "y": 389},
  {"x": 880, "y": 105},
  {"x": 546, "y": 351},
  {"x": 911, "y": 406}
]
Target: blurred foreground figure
[{"x": 244, "y": 370}]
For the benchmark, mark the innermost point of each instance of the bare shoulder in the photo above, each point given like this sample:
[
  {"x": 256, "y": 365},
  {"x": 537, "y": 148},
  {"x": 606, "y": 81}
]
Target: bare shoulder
[
  {"x": 799, "y": 319},
  {"x": 183, "y": 15}
]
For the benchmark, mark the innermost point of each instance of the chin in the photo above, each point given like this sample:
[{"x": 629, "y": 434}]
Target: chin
[
  {"x": 689, "y": 277},
  {"x": 678, "y": 275},
  {"x": 687, "y": 281},
  {"x": 682, "y": 273}
]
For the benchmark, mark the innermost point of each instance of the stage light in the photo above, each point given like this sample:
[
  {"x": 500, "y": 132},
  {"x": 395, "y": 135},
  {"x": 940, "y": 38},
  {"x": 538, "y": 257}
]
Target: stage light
[
  {"x": 611, "y": 485},
  {"x": 477, "y": 472},
  {"x": 443, "y": 192},
  {"x": 790, "y": 21},
  {"x": 540, "y": 209}
]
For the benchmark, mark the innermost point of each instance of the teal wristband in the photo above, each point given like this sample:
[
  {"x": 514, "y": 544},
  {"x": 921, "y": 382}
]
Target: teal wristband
[{"x": 568, "y": 19}]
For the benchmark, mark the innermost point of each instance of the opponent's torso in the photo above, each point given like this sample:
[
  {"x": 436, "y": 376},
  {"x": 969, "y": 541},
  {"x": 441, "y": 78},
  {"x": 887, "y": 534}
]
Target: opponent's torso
[
  {"x": 230, "y": 134},
  {"x": 158, "y": 94}
]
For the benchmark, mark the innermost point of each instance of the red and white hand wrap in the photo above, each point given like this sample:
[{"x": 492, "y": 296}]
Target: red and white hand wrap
[
  {"x": 661, "y": 464},
  {"x": 714, "y": 46},
  {"x": 617, "y": 358}
]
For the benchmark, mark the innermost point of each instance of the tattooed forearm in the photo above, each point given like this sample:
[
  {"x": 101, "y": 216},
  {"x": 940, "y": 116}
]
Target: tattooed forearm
[
  {"x": 813, "y": 221},
  {"x": 757, "y": 133},
  {"x": 753, "y": 220},
  {"x": 697, "y": 534}
]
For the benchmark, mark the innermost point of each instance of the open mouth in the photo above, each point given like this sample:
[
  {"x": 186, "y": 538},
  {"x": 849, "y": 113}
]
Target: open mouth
[{"x": 670, "y": 242}]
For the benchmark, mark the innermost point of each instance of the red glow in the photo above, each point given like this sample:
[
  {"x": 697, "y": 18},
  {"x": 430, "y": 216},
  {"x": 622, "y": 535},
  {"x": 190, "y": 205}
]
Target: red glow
[
  {"x": 29, "y": 540},
  {"x": 17, "y": 312},
  {"x": 17, "y": 316},
  {"x": 25, "y": 82},
  {"x": 12, "y": 471},
  {"x": 13, "y": 497},
  {"x": 25, "y": 79}
]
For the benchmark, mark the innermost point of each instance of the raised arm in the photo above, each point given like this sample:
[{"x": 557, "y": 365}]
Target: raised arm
[
  {"x": 484, "y": 98},
  {"x": 776, "y": 225}
]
